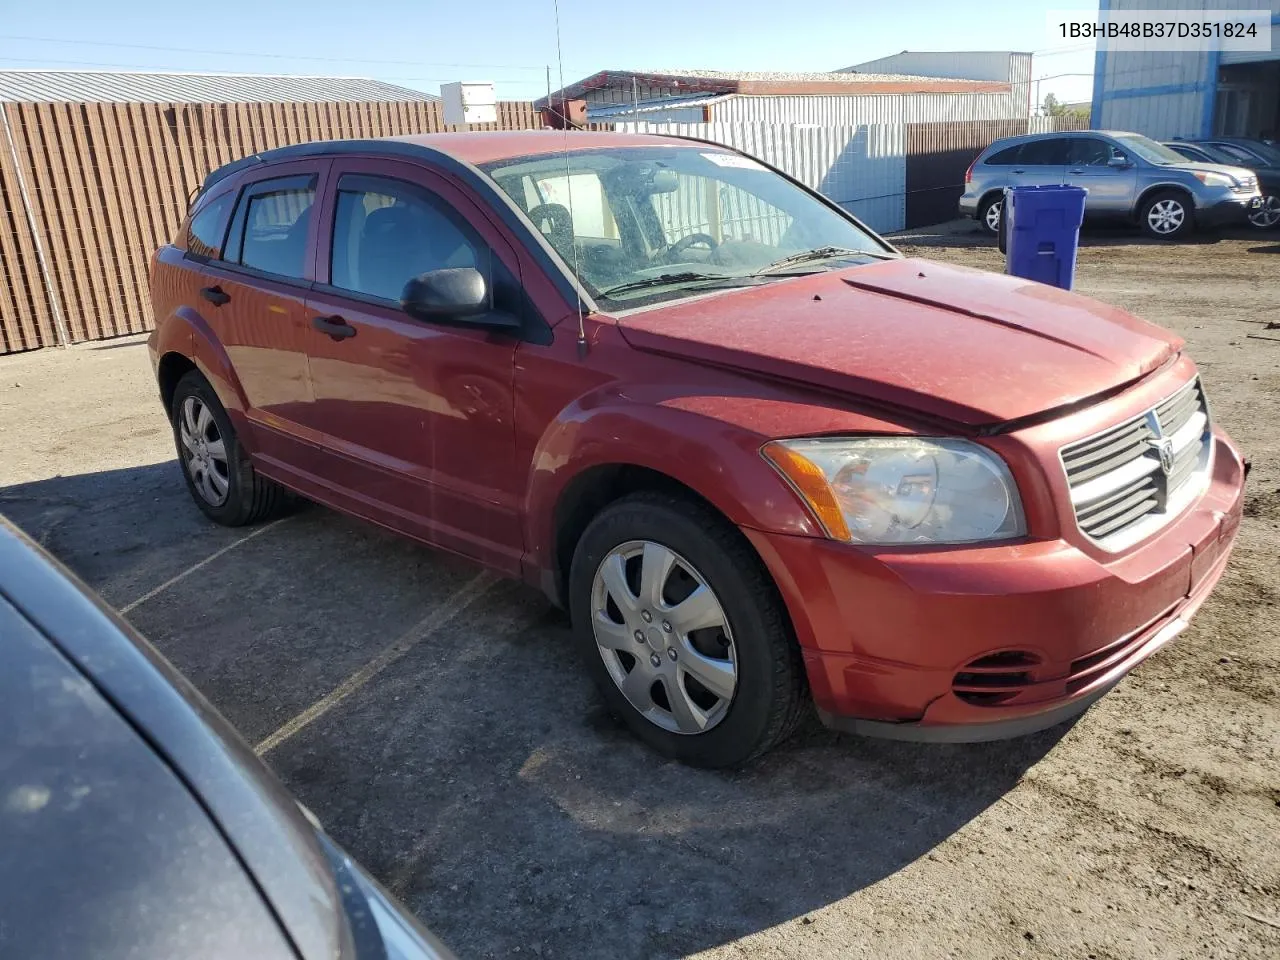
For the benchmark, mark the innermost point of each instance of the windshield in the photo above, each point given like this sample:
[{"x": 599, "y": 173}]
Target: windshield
[
  {"x": 649, "y": 223},
  {"x": 1149, "y": 150},
  {"x": 1248, "y": 155}
]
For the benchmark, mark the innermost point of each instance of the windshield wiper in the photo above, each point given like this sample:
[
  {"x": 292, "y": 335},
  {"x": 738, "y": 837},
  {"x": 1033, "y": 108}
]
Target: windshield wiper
[
  {"x": 669, "y": 279},
  {"x": 819, "y": 253}
]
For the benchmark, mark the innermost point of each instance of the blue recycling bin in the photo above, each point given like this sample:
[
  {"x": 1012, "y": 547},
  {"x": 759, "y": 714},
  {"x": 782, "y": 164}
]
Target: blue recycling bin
[{"x": 1042, "y": 233}]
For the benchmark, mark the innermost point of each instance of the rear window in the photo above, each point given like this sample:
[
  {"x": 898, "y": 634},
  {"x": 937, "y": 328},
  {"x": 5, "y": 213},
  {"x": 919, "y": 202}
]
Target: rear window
[{"x": 208, "y": 227}]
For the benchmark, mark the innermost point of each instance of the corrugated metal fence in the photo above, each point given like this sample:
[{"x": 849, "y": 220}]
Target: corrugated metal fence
[
  {"x": 859, "y": 167},
  {"x": 108, "y": 183}
]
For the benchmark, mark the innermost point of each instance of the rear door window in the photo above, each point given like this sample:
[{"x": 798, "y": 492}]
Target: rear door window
[
  {"x": 1044, "y": 153},
  {"x": 271, "y": 226}
]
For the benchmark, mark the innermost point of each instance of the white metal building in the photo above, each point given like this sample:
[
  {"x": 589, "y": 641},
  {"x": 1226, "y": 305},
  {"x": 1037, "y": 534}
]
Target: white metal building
[
  {"x": 1189, "y": 93},
  {"x": 839, "y": 98},
  {"x": 1004, "y": 66}
]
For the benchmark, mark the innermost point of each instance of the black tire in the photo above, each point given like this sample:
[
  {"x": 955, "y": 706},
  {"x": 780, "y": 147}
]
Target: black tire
[
  {"x": 250, "y": 497},
  {"x": 1185, "y": 226},
  {"x": 984, "y": 208},
  {"x": 771, "y": 697}
]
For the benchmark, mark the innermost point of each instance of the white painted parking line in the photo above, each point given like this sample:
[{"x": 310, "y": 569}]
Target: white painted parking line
[
  {"x": 203, "y": 563},
  {"x": 432, "y": 623}
]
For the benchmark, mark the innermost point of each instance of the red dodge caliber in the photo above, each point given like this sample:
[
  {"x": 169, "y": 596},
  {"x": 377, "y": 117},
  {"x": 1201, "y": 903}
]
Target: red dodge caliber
[{"x": 763, "y": 459}]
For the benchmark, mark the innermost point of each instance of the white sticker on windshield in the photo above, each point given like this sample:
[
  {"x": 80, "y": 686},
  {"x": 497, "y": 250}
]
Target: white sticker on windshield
[{"x": 733, "y": 160}]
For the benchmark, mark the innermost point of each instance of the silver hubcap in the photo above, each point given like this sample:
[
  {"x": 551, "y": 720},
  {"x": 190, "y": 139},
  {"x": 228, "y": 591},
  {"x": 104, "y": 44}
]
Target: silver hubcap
[
  {"x": 1166, "y": 216},
  {"x": 993, "y": 217},
  {"x": 664, "y": 637},
  {"x": 1268, "y": 215},
  {"x": 204, "y": 452}
]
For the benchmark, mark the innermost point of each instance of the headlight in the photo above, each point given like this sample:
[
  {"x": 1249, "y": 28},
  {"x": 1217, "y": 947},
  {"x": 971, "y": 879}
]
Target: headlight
[
  {"x": 888, "y": 490},
  {"x": 1210, "y": 179}
]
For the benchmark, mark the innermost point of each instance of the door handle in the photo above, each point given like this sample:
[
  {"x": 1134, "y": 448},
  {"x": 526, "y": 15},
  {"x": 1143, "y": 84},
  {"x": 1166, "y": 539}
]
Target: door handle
[
  {"x": 215, "y": 295},
  {"x": 1076, "y": 171},
  {"x": 1019, "y": 171},
  {"x": 335, "y": 327}
]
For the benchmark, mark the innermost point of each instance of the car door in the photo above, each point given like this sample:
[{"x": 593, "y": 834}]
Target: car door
[
  {"x": 1040, "y": 162},
  {"x": 254, "y": 300},
  {"x": 415, "y": 418},
  {"x": 1110, "y": 188}
]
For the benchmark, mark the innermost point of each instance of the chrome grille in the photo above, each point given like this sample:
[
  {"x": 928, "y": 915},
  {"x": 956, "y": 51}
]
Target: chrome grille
[{"x": 1132, "y": 478}]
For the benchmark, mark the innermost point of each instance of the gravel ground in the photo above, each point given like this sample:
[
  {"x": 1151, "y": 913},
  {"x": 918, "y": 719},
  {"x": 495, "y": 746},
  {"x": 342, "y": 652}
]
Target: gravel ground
[{"x": 435, "y": 720}]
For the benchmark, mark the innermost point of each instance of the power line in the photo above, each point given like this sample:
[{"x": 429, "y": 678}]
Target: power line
[
  {"x": 272, "y": 56},
  {"x": 187, "y": 69}
]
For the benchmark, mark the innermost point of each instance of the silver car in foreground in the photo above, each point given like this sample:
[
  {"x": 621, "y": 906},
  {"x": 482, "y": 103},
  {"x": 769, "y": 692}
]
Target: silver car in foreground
[{"x": 1127, "y": 176}]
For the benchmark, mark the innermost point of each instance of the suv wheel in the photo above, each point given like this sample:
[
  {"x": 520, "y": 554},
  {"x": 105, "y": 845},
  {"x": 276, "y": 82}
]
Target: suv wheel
[
  {"x": 1166, "y": 216},
  {"x": 684, "y": 632},
  {"x": 1267, "y": 216},
  {"x": 219, "y": 477},
  {"x": 989, "y": 215}
]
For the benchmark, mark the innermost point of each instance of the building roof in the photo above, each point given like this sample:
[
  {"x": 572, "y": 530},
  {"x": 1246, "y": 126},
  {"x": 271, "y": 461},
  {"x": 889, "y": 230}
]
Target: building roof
[
  {"x": 605, "y": 111},
  {"x": 79, "y": 86},
  {"x": 773, "y": 83}
]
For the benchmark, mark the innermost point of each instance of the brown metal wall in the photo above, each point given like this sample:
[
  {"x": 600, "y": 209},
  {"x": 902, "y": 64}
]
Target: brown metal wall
[
  {"x": 938, "y": 154},
  {"x": 109, "y": 183}
]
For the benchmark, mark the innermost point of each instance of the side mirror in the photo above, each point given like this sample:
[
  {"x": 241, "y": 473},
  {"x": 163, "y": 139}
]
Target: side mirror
[
  {"x": 457, "y": 295},
  {"x": 1120, "y": 162}
]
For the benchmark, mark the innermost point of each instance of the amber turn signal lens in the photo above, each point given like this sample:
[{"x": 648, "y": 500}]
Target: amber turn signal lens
[{"x": 811, "y": 483}]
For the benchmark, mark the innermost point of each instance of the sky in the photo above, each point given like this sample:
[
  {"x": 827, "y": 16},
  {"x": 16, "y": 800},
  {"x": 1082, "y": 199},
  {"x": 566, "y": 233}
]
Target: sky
[{"x": 512, "y": 42}]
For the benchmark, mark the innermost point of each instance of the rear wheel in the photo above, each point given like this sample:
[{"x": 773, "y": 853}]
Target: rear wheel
[
  {"x": 1267, "y": 216},
  {"x": 1167, "y": 216},
  {"x": 989, "y": 214},
  {"x": 219, "y": 476},
  {"x": 684, "y": 631}
]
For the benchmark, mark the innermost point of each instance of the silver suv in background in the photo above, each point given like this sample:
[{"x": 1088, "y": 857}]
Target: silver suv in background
[{"x": 1127, "y": 176}]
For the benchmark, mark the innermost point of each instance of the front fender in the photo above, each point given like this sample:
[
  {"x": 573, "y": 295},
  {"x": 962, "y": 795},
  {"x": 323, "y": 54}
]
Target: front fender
[{"x": 718, "y": 459}]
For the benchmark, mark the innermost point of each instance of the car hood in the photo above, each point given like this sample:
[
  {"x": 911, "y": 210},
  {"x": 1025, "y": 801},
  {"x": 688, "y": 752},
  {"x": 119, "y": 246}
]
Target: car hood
[
  {"x": 950, "y": 343},
  {"x": 1192, "y": 166}
]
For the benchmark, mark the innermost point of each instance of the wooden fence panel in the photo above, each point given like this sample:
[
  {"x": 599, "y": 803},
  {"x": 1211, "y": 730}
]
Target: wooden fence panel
[
  {"x": 26, "y": 320},
  {"x": 108, "y": 183}
]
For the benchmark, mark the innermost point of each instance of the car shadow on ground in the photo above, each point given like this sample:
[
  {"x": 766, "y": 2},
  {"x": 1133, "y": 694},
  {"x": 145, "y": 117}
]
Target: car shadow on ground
[{"x": 477, "y": 774}]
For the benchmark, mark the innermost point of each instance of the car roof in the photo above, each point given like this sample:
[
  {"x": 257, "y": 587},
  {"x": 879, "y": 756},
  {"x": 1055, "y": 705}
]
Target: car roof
[
  {"x": 480, "y": 147},
  {"x": 1059, "y": 134},
  {"x": 473, "y": 147}
]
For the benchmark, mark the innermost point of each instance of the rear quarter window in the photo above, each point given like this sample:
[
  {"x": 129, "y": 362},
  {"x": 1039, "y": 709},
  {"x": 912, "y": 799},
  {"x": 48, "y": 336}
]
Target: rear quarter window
[
  {"x": 208, "y": 228},
  {"x": 1003, "y": 158}
]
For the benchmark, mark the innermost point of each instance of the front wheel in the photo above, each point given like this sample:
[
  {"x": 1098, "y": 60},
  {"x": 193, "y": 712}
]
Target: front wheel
[
  {"x": 1267, "y": 216},
  {"x": 1167, "y": 216},
  {"x": 684, "y": 631}
]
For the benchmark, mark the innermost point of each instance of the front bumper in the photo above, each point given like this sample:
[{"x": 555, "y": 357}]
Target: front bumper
[
  {"x": 1230, "y": 212},
  {"x": 886, "y": 633}
]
